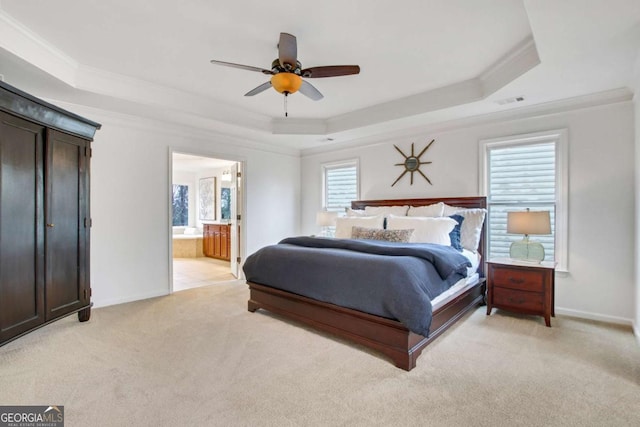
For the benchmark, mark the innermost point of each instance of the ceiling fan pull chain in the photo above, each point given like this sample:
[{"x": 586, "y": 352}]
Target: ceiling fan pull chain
[{"x": 286, "y": 114}]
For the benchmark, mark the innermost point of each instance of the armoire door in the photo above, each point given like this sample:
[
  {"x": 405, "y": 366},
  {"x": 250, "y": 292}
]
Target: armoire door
[
  {"x": 21, "y": 226},
  {"x": 67, "y": 227}
]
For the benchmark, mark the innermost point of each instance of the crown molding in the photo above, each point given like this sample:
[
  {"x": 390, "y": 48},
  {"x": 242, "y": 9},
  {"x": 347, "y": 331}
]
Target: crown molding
[
  {"x": 159, "y": 96},
  {"x": 292, "y": 126},
  {"x": 594, "y": 100},
  {"x": 207, "y": 132},
  {"x": 24, "y": 43},
  {"x": 522, "y": 58}
]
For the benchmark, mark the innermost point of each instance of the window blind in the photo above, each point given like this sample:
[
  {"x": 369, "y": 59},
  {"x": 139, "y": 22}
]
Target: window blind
[
  {"x": 341, "y": 186},
  {"x": 520, "y": 176}
]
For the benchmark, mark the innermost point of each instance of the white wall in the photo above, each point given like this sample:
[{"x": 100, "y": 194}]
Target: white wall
[
  {"x": 636, "y": 100},
  {"x": 130, "y": 183},
  {"x": 600, "y": 283}
]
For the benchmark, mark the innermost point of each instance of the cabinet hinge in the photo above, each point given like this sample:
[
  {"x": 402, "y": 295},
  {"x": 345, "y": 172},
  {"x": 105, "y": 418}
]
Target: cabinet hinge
[
  {"x": 88, "y": 222},
  {"x": 238, "y": 260},
  {"x": 238, "y": 217},
  {"x": 88, "y": 152},
  {"x": 239, "y": 174}
]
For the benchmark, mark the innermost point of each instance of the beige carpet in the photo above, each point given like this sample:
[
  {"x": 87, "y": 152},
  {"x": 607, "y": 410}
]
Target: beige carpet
[{"x": 199, "y": 358}]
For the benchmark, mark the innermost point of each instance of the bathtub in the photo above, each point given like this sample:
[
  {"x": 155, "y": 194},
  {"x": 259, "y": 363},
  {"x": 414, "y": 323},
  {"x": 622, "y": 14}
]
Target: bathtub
[{"x": 187, "y": 244}]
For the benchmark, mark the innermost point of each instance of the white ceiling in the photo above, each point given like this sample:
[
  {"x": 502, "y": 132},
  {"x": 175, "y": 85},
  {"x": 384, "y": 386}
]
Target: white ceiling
[{"x": 422, "y": 61}]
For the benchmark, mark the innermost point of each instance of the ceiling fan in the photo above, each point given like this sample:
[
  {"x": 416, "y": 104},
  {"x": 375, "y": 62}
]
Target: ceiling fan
[{"x": 287, "y": 71}]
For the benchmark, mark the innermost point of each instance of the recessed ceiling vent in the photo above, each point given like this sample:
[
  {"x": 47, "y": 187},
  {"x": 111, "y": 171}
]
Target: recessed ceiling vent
[{"x": 510, "y": 100}]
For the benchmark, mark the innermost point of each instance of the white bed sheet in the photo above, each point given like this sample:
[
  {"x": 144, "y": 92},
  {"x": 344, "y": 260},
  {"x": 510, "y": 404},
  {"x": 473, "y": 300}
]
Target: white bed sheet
[{"x": 462, "y": 284}]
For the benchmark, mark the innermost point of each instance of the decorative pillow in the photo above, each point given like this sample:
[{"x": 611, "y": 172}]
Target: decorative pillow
[
  {"x": 356, "y": 212},
  {"x": 455, "y": 233},
  {"x": 471, "y": 229},
  {"x": 386, "y": 210},
  {"x": 344, "y": 224},
  {"x": 190, "y": 230},
  {"x": 426, "y": 229},
  {"x": 402, "y": 236},
  {"x": 430, "y": 210}
]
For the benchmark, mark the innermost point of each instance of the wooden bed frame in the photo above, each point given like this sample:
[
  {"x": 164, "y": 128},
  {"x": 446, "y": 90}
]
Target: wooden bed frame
[{"x": 387, "y": 336}]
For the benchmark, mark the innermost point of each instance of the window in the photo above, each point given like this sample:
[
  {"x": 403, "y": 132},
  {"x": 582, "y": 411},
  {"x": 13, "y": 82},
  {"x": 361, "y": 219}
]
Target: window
[
  {"x": 225, "y": 203},
  {"x": 340, "y": 182},
  {"x": 180, "y": 205},
  {"x": 526, "y": 171}
]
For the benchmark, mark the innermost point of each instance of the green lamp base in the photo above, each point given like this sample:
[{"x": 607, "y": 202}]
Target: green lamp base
[{"x": 526, "y": 250}]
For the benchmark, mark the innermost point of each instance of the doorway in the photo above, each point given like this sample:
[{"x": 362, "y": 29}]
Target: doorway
[{"x": 205, "y": 205}]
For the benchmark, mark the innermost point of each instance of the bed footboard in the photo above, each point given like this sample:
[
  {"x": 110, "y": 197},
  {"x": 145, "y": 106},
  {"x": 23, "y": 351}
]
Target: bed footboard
[{"x": 386, "y": 336}]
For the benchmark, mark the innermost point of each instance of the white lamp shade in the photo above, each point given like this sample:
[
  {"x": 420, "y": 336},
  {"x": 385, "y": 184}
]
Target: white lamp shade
[
  {"x": 528, "y": 222},
  {"x": 326, "y": 219}
]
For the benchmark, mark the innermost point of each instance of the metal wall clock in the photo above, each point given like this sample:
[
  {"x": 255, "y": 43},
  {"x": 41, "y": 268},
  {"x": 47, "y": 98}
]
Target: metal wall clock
[{"x": 412, "y": 163}]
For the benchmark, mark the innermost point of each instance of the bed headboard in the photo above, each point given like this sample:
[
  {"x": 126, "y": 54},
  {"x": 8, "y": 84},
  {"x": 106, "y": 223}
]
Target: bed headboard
[{"x": 463, "y": 202}]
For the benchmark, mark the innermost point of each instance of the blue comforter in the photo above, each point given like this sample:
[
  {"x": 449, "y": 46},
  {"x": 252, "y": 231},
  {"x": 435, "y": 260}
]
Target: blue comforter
[{"x": 392, "y": 280}]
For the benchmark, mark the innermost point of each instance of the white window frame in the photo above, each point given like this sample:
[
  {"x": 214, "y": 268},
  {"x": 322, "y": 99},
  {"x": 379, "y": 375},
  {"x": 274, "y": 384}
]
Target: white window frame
[
  {"x": 561, "y": 140},
  {"x": 338, "y": 164}
]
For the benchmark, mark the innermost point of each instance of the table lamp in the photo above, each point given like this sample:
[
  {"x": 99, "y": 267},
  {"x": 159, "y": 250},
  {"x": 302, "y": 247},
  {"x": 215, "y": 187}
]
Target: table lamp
[
  {"x": 527, "y": 223},
  {"x": 326, "y": 219}
]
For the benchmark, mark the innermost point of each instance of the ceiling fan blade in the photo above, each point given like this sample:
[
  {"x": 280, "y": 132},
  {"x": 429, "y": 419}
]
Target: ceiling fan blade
[
  {"x": 308, "y": 90},
  {"x": 242, "y": 67},
  {"x": 261, "y": 88},
  {"x": 287, "y": 50},
  {"x": 330, "y": 71}
]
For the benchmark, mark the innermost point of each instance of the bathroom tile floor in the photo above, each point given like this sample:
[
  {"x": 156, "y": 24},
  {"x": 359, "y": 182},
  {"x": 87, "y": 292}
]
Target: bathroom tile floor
[{"x": 195, "y": 272}]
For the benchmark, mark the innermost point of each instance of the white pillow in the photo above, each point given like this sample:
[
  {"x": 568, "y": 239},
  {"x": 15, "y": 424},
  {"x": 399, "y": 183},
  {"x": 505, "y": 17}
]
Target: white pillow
[
  {"x": 344, "y": 224},
  {"x": 386, "y": 210},
  {"x": 190, "y": 230},
  {"x": 356, "y": 212},
  {"x": 426, "y": 229},
  {"x": 448, "y": 210},
  {"x": 430, "y": 210},
  {"x": 471, "y": 227}
]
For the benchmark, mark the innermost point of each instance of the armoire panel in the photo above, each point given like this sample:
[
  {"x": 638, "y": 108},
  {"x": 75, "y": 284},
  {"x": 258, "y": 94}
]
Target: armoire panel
[
  {"x": 21, "y": 222},
  {"x": 65, "y": 218}
]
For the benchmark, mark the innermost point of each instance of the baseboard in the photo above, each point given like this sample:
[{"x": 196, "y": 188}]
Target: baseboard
[
  {"x": 595, "y": 316},
  {"x": 130, "y": 298}
]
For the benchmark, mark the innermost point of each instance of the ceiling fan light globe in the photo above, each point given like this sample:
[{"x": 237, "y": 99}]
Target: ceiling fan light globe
[{"x": 286, "y": 82}]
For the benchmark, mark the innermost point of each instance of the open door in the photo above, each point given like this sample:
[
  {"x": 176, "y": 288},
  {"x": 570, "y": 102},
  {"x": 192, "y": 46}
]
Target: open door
[{"x": 234, "y": 220}]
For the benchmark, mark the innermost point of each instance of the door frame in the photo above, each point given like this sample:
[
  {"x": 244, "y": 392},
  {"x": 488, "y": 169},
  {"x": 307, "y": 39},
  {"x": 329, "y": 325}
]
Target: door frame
[{"x": 243, "y": 203}]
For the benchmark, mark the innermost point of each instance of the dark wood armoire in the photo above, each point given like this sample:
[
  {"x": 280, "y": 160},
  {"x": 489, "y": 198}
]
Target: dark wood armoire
[{"x": 45, "y": 155}]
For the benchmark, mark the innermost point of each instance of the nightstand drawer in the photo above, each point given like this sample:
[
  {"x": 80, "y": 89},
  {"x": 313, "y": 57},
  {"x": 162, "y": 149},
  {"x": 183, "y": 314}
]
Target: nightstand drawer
[
  {"x": 507, "y": 298},
  {"x": 526, "y": 280}
]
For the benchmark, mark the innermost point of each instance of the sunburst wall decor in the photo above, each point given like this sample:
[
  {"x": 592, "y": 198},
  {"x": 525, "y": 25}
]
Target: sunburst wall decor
[{"x": 412, "y": 163}]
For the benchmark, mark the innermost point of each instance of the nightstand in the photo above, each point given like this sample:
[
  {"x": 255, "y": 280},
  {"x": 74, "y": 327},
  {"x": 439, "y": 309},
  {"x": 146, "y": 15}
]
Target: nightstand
[{"x": 521, "y": 287}]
